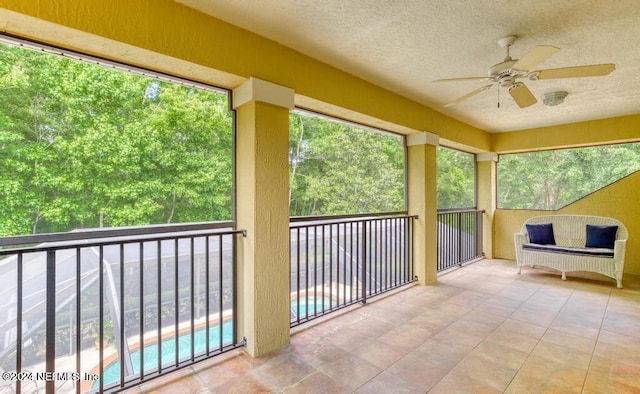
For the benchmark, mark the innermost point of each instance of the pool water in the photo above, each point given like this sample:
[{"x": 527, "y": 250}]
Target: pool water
[
  {"x": 168, "y": 352},
  {"x": 311, "y": 306},
  {"x": 112, "y": 371}
]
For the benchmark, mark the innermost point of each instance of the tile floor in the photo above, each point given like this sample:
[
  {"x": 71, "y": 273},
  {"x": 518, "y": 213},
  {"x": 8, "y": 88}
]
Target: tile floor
[{"x": 481, "y": 329}]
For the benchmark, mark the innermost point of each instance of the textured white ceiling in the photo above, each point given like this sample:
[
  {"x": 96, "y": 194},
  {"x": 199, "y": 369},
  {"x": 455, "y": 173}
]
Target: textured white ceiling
[{"x": 403, "y": 45}]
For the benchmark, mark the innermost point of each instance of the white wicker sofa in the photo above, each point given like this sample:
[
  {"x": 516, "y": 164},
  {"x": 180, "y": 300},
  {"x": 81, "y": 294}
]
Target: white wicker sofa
[{"x": 572, "y": 247}]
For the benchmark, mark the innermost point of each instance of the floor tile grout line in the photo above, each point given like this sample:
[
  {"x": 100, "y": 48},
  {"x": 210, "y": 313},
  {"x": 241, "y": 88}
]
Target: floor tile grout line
[
  {"x": 542, "y": 336},
  {"x": 595, "y": 345},
  {"x": 476, "y": 346}
]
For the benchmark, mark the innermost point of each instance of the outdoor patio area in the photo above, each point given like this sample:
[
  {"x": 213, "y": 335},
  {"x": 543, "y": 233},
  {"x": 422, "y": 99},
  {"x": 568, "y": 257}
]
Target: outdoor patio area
[{"x": 482, "y": 328}]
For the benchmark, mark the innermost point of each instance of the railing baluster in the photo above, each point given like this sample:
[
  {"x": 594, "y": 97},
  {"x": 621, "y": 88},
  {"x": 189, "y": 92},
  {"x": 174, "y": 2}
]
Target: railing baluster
[
  {"x": 344, "y": 264},
  {"x": 221, "y": 298},
  {"x": 358, "y": 263},
  {"x": 331, "y": 266},
  {"x": 365, "y": 260},
  {"x": 396, "y": 270},
  {"x": 193, "y": 302},
  {"x": 338, "y": 265},
  {"x": 78, "y": 318},
  {"x": 350, "y": 262},
  {"x": 142, "y": 310},
  {"x": 315, "y": 270},
  {"x": 100, "y": 317},
  {"x": 121, "y": 325},
  {"x": 323, "y": 268},
  {"x": 159, "y": 307},
  {"x": 298, "y": 274},
  {"x": 176, "y": 310},
  {"x": 207, "y": 241},
  {"x": 19, "y": 340},
  {"x": 387, "y": 255},
  {"x": 306, "y": 269},
  {"x": 378, "y": 266}
]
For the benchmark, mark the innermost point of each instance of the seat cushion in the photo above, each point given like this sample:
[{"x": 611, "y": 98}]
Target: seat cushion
[{"x": 601, "y": 252}]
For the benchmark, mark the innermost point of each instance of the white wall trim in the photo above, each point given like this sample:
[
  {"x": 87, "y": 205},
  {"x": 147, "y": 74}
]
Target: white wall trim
[
  {"x": 487, "y": 156},
  {"x": 256, "y": 89},
  {"x": 424, "y": 138}
]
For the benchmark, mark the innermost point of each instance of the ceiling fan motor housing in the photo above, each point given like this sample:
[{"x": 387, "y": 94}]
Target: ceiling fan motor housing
[
  {"x": 504, "y": 75},
  {"x": 501, "y": 69}
]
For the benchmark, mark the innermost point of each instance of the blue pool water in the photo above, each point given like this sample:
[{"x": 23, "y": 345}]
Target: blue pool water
[
  {"x": 168, "y": 351},
  {"x": 310, "y": 306}
]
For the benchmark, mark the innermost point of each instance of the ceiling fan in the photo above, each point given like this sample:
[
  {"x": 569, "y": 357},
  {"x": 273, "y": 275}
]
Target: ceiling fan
[{"x": 506, "y": 73}]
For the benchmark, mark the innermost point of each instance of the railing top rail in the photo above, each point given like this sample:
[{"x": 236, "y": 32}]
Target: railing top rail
[
  {"x": 293, "y": 219},
  {"x": 303, "y": 221},
  {"x": 459, "y": 210},
  {"x": 114, "y": 235}
]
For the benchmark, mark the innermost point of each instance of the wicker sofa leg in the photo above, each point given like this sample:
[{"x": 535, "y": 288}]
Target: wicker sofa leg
[{"x": 564, "y": 275}]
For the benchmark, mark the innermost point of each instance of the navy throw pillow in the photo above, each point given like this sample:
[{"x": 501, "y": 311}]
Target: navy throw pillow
[
  {"x": 541, "y": 234},
  {"x": 601, "y": 236}
]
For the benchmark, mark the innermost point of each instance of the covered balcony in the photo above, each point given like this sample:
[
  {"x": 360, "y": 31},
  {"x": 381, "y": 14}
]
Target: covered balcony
[
  {"x": 479, "y": 329},
  {"x": 411, "y": 300}
]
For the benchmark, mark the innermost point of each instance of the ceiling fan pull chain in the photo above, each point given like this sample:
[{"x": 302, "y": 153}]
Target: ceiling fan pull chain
[{"x": 498, "y": 96}]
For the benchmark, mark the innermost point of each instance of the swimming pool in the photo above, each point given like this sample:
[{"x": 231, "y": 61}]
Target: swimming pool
[
  {"x": 311, "y": 306},
  {"x": 168, "y": 351},
  {"x": 112, "y": 371}
]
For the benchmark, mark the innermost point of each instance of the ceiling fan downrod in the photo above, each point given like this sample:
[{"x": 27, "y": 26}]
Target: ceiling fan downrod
[{"x": 506, "y": 42}]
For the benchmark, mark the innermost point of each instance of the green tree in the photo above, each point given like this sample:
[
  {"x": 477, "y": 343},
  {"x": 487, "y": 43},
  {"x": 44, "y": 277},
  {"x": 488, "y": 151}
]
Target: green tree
[
  {"x": 86, "y": 146},
  {"x": 456, "y": 179},
  {"x": 550, "y": 180},
  {"x": 336, "y": 168}
]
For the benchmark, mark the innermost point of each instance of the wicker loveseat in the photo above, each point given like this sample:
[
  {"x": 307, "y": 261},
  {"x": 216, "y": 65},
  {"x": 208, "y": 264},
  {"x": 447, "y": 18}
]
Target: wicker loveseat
[{"x": 573, "y": 243}]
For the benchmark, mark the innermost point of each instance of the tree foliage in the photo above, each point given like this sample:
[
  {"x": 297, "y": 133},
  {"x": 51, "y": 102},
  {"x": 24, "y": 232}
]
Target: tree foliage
[
  {"x": 456, "y": 179},
  {"x": 550, "y": 180},
  {"x": 86, "y": 146},
  {"x": 336, "y": 168}
]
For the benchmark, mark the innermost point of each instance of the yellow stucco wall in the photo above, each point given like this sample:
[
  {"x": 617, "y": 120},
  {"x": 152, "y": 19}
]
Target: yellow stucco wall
[
  {"x": 618, "y": 200},
  {"x": 507, "y": 222},
  {"x": 601, "y": 131},
  {"x": 263, "y": 255},
  {"x": 420, "y": 189},
  {"x": 486, "y": 197}
]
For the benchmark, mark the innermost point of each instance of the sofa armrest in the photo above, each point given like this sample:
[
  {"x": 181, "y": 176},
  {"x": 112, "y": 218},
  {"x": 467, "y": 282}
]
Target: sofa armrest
[
  {"x": 618, "y": 254},
  {"x": 519, "y": 240}
]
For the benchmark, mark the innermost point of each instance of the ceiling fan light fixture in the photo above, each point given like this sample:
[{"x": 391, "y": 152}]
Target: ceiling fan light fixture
[{"x": 554, "y": 98}]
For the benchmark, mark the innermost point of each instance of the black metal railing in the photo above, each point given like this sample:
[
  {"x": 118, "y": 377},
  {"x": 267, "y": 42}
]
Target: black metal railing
[
  {"x": 459, "y": 237},
  {"x": 340, "y": 261},
  {"x": 106, "y": 310}
]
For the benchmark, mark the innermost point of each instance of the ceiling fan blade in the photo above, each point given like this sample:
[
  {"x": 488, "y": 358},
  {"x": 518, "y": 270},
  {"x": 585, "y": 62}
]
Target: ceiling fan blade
[
  {"x": 594, "y": 70},
  {"x": 535, "y": 56},
  {"x": 461, "y": 79},
  {"x": 468, "y": 95},
  {"x": 522, "y": 95}
]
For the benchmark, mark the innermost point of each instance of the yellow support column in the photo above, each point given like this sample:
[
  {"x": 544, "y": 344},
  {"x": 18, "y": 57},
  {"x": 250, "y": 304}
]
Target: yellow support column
[
  {"x": 262, "y": 179},
  {"x": 422, "y": 201},
  {"x": 486, "y": 189}
]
